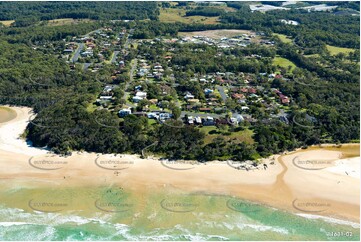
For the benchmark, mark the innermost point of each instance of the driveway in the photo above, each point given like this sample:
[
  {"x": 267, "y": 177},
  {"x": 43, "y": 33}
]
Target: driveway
[{"x": 222, "y": 92}]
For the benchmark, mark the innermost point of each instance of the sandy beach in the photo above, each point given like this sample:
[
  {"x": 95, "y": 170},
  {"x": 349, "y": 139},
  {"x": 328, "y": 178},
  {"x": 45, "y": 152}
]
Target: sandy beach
[{"x": 316, "y": 181}]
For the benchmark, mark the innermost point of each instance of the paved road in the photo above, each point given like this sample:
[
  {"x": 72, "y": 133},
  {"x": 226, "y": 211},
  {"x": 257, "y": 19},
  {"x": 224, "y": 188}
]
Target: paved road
[
  {"x": 223, "y": 94},
  {"x": 77, "y": 53},
  {"x": 114, "y": 59},
  {"x": 87, "y": 35},
  {"x": 80, "y": 48},
  {"x": 132, "y": 69},
  {"x": 86, "y": 65}
]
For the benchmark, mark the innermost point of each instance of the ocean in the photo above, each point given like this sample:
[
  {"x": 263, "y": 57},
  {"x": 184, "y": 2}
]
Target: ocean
[{"x": 111, "y": 213}]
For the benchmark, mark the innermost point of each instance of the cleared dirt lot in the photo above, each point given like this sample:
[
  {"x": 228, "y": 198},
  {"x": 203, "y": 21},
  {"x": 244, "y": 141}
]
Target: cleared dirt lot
[{"x": 218, "y": 34}]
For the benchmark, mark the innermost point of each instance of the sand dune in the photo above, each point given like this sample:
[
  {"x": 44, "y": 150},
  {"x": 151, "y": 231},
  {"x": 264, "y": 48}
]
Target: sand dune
[
  {"x": 306, "y": 180},
  {"x": 11, "y": 131}
]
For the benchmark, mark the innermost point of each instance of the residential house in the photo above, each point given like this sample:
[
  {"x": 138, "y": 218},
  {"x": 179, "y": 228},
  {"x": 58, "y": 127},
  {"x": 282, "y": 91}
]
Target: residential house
[
  {"x": 208, "y": 121},
  {"x": 198, "y": 120},
  {"x": 206, "y": 110},
  {"x": 124, "y": 112},
  {"x": 208, "y": 91},
  {"x": 238, "y": 96},
  {"x": 190, "y": 120},
  {"x": 193, "y": 101},
  {"x": 136, "y": 99},
  {"x": 141, "y": 94},
  {"x": 189, "y": 96}
]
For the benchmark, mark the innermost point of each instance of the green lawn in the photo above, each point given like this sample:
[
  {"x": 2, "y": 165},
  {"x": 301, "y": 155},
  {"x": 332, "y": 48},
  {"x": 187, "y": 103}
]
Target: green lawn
[
  {"x": 172, "y": 15},
  {"x": 110, "y": 59},
  {"x": 284, "y": 38},
  {"x": 152, "y": 121},
  {"x": 153, "y": 107},
  {"x": 335, "y": 50},
  {"x": 91, "y": 108},
  {"x": 283, "y": 62},
  {"x": 240, "y": 136}
]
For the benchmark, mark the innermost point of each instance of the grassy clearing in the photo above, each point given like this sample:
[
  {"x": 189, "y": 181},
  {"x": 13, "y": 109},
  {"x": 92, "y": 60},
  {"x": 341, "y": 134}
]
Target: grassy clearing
[
  {"x": 283, "y": 62},
  {"x": 91, "y": 108},
  {"x": 225, "y": 8},
  {"x": 238, "y": 137},
  {"x": 66, "y": 21},
  {"x": 152, "y": 121},
  {"x": 7, "y": 23},
  {"x": 172, "y": 15},
  {"x": 109, "y": 61},
  {"x": 135, "y": 45},
  {"x": 284, "y": 38},
  {"x": 335, "y": 50},
  {"x": 312, "y": 55}
]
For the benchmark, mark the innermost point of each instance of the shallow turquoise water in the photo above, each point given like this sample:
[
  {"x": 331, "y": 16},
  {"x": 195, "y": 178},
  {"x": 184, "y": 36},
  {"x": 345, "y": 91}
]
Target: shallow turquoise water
[{"x": 219, "y": 220}]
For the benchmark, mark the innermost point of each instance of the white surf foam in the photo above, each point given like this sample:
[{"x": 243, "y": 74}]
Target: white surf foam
[{"x": 330, "y": 220}]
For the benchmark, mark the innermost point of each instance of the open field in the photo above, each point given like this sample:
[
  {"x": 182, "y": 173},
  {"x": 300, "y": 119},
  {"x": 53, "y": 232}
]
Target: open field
[
  {"x": 6, "y": 114},
  {"x": 312, "y": 55},
  {"x": 335, "y": 50},
  {"x": 225, "y": 8},
  {"x": 240, "y": 136},
  {"x": 66, "y": 21},
  {"x": 284, "y": 38},
  {"x": 7, "y": 23},
  {"x": 219, "y": 33},
  {"x": 283, "y": 62},
  {"x": 170, "y": 15}
]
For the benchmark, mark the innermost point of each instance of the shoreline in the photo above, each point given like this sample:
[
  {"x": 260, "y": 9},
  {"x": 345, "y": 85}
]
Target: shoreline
[{"x": 279, "y": 186}]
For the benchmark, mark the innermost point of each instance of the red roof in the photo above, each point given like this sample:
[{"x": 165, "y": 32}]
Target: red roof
[
  {"x": 252, "y": 90},
  {"x": 238, "y": 96},
  {"x": 285, "y": 100}
]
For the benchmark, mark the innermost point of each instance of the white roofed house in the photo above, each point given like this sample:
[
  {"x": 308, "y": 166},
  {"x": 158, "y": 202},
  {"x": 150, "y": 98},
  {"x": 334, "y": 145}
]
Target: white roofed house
[
  {"x": 87, "y": 53},
  {"x": 105, "y": 98},
  {"x": 136, "y": 99},
  {"x": 198, "y": 120},
  {"x": 124, "y": 112},
  {"x": 139, "y": 96},
  {"x": 234, "y": 121},
  {"x": 190, "y": 120},
  {"x": 238, "y": 117},
  {"x": 189, "y": 96}
]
